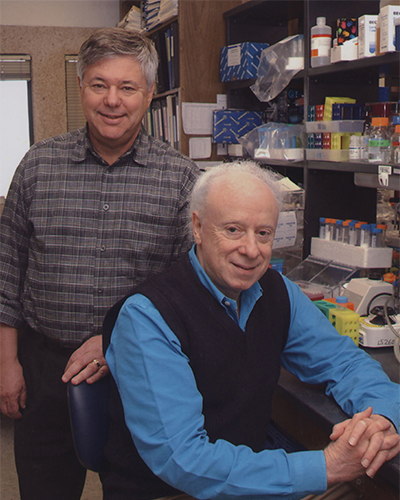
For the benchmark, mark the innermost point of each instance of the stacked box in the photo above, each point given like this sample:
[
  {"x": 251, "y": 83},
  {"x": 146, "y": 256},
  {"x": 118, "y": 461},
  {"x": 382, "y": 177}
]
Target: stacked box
[
  {"x": 367, "y": 36},
  {"x": 347, "y": 29},
  {"x": 229, "y": 124},
  {"x": 240, "y": 61},
  {"x": 388, "y": 16}
]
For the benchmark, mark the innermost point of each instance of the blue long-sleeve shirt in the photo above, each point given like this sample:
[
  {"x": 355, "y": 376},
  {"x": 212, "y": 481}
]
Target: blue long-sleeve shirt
[{"x": 163, "y": 408}]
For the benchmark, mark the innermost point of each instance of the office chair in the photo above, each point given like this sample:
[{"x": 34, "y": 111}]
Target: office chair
[{"x": 88, "y": 409}]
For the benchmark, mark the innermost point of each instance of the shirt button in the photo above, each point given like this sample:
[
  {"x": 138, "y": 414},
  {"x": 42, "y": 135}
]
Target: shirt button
[
  {"x": 106, "y": 206},
  {"x": 227, "y": 303},
  {"x": 100, "y": 291},
  {"x": 102, "y": 248}
]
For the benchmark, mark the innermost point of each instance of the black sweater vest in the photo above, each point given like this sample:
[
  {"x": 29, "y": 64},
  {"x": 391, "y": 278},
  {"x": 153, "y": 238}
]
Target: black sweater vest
[{"x": 236, "y": 372}]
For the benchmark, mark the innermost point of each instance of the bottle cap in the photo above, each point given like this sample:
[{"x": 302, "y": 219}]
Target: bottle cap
[
  {"x": 321, "y": 21},
  {"x": 381, "y": 226},
  {"x": 380, "y": 121},
  {"x": 341, "y": 299},
  {"x": 376, "y": 230},
  {"x": 397, "y": 129}
]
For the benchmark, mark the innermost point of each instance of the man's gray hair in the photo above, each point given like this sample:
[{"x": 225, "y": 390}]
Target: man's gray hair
[
  {"x": 114, "y": 42},
  {"x": 198, "y": 196}
]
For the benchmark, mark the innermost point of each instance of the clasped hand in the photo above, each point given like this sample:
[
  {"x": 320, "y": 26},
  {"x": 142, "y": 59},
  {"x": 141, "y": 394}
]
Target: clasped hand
[
  {"x": 361, "y": 444},
  {"x": 87, "y": 363}
]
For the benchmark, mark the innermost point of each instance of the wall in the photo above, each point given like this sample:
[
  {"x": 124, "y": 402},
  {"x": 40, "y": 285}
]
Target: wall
[
  {"x": 67, "y": 13},
  {"x": 47, "y": 47},
  {"x": 47, "y": 31}
]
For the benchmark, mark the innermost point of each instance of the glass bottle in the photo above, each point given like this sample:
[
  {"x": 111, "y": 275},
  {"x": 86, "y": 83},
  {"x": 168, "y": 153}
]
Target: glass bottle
[{"x": 378, "y": 143}]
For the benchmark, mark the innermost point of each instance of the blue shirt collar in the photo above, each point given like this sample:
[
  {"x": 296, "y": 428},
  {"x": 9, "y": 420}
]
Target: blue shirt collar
[{"x": 248, "y": 297}]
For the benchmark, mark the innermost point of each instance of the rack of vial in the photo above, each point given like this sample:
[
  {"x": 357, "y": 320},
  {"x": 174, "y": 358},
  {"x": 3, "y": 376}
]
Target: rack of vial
[{"x": 352, "y": 232}]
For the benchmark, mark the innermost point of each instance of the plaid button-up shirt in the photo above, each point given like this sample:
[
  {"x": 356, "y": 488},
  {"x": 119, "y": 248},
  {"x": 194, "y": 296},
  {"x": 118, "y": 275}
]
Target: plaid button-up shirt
[{"x": 77, "y": 234}]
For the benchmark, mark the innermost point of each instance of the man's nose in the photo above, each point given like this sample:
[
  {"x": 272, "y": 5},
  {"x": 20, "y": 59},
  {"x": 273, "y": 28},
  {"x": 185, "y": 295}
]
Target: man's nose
[
  {"x": 112, "y": 97},
  {"x": 250, "y": 246}
]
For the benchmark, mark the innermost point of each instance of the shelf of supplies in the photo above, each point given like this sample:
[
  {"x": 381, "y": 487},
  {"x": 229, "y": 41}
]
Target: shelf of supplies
[{"x": 355, "y": 66}]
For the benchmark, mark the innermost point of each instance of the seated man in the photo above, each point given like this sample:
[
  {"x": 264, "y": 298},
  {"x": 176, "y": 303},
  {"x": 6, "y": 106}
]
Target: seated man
[{"x": 196, "y": 354}]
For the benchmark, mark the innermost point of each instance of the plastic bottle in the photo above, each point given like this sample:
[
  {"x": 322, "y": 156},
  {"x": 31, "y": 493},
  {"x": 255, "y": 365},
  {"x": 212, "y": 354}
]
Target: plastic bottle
[
  {"x": 346, "y": 230},
  {"x": 341, "y": 302},
  {"x": 322, "y": 227},
  {"x": 395, "y": 145},
  {"x": 378, "y": 144},
  {"x": 376, "y": 238},
  {"x": 366, "y": 133},
  {"x": 352, "y": 233},
  {"x": 339, "y": 231},
  {"x": 383, "y": 236},
  {"x": 321, "y": 39},
  {"x": 365, "y": 235},
  {"x": 355, "y": 150},
  {"x": 330, "y": 229}
]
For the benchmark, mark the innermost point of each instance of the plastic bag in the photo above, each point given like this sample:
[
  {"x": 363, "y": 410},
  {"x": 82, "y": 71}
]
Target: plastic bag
[
  {"x": 277, "y": 141},
  {"x": 278, "y": 65}
]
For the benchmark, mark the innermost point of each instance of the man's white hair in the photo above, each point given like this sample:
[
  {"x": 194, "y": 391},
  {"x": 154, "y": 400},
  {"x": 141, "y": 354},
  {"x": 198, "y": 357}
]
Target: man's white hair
[{"x": 198, "y": 196}]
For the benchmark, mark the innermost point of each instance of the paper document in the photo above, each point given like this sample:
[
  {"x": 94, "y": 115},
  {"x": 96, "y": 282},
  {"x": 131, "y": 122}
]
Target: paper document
[
  {"x": 199, "y": 147},
  {"x": 197, "y": 117},
  {"x": 285, "y": 234}
]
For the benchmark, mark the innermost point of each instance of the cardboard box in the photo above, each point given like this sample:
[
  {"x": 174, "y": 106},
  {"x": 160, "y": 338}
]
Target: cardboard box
[
  {"x": 367, "y": 36},
  {"x": 388, "y": 15},
  {"x": 240, "y": 61},
  {"x": 346, "y": 29},
  {"x": 229, "y": 124},
  {"x": 346, "y": 52}
]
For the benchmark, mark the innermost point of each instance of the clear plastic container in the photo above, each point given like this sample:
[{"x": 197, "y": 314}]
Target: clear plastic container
[
  {"x": 378, "y": 143},
  {"x": 321, "y": 39}
]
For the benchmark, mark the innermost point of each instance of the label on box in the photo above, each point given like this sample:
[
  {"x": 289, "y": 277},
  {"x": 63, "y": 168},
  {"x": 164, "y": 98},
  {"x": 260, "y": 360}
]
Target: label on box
[
  {"x": 285, "y": 234},
  {"x": 234, "y": 55}
]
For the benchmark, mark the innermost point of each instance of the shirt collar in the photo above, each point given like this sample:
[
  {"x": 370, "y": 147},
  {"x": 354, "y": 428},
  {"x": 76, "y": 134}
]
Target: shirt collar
[
  {"x": 248, "y": 297},
  {"x": 139, "y": 149}
]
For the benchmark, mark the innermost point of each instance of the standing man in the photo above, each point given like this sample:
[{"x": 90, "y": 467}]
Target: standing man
[
  {"x": 89, "y": 214},
  {"x": 196, "y": 353}
]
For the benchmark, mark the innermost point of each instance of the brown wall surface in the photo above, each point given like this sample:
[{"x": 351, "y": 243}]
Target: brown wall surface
[{"x": 47, "y": 47}]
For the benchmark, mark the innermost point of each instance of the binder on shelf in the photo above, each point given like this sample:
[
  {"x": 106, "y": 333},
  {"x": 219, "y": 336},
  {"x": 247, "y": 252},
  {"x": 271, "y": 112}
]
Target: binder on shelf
[{"x": 162, "y": 120}]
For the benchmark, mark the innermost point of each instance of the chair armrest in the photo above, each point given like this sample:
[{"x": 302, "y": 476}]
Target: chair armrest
[{"x": 88, "y": 409}]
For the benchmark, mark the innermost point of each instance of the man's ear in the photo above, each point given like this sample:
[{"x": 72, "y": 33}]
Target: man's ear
[
  {"x": 196, "y": 223},
  {"x": 151, "y": 94}
]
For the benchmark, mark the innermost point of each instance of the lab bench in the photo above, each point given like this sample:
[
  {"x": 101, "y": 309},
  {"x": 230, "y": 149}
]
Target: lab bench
[{"x": 305, "y": 413}]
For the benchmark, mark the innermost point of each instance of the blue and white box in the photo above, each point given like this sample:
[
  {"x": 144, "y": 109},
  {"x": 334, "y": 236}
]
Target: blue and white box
[
  {"x": 240, "y": 61},
  {"x": 230, "y": 124},
  {"x": 367, "y": 36}
]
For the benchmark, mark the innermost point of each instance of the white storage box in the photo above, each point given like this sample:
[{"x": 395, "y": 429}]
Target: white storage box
[
  {"x": 335, "y": 126},
  {"x": 328, "y": 154},
  {"x": 351, "y": 255}
]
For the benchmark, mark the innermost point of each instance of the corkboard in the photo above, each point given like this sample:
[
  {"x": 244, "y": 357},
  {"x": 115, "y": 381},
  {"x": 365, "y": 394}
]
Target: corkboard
[{"x": 47, "y": 47}]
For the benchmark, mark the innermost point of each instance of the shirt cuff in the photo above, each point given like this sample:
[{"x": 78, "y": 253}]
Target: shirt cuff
[{"x": 304, "y": 481}]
